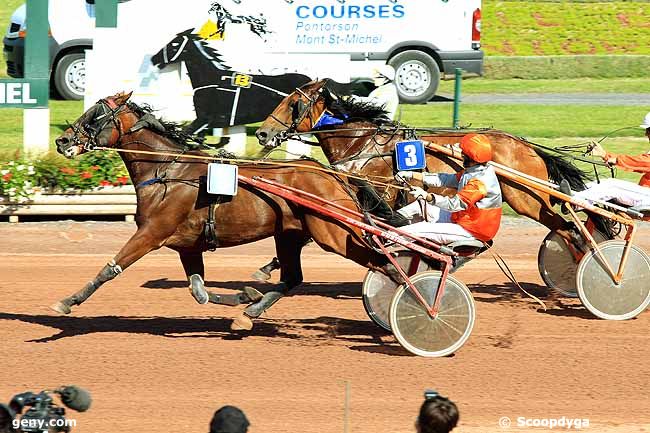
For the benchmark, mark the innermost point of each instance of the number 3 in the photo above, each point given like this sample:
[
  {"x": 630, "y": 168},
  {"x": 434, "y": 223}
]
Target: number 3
[{"x": 412, "y": 156}]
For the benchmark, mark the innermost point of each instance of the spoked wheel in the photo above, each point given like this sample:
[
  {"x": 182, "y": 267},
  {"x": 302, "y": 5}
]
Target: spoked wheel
[
  {"x": 378, "y": 289},
  {"x": 606, "y": 299},
  {"x": 423, "y": 335},
  {"x": 557, "y": 261}
]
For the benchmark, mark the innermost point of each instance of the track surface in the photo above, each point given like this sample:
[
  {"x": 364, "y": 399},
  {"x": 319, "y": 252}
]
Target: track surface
[{"x": 156, "y": 361}]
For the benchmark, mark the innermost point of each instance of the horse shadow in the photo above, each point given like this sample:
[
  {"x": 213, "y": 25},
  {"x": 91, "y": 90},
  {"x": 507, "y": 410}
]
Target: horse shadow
[
  {"x": 362, "y": 335},
  {"x": 344, "y": 290}
]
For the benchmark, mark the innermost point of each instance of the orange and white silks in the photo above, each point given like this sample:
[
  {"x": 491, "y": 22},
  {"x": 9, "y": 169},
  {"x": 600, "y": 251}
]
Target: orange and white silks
[
  {"x": 477, "y": 206},
  {"x": 637, "y": 164}
]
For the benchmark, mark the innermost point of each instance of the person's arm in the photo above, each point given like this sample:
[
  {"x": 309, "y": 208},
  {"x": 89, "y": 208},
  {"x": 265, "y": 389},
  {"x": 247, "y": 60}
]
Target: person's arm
[
  {"x": 468, "y": 196},
  {"x": 638, "y": 163},
  {"x": 440, "y": 179},
  {"x": 431, "y": 179}
]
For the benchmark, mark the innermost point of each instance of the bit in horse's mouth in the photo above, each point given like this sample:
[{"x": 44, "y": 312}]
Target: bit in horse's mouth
[
  {"x": 72, "y": 151},
  {"x": 271, "y": 143}
]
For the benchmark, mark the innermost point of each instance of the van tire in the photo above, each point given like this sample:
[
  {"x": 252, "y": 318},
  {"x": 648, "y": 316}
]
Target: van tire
[
  {"x": 70, "y": 76},
  {"x": 417, "y": 76}
]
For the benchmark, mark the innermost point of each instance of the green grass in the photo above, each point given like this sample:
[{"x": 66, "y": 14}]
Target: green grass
[
  {"x": 541, "y": 121},
  {"x": 517, "y": 28},
  {"x": 579, "y": 85},
  {"x": 11, "y": 122},
  {"x": 549, "y": 121}
]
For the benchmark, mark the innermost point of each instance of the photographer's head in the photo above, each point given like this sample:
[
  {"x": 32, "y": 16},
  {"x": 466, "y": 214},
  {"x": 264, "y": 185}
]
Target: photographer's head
[
  {"x": 438, "y": 414},
  {"x": 6, "y": 417},
  {"x": 229, "y": 419}
]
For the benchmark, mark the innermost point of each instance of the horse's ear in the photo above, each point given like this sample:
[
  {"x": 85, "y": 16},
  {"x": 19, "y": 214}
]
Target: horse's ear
[{"x": 121, "y": 98}]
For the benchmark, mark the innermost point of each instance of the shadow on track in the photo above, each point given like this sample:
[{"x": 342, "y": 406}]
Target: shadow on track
[
  {"x": 309, "y": 332},
  {"x": 328, "y": 290}
]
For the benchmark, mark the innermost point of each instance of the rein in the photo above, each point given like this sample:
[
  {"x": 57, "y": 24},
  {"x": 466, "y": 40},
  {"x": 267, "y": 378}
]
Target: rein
[
  {"x": 256, "y": 162},
  {"x": 568, "y": 151}
]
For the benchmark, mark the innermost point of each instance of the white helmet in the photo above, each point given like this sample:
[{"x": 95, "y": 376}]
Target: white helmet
[
  {"x": 387, "y": 72},
  {"x": 646, "y": 122}
]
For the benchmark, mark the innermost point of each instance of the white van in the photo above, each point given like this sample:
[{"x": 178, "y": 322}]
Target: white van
[
  {"x": 424, "y": 40},
  {"x": 71, "y": 29}
]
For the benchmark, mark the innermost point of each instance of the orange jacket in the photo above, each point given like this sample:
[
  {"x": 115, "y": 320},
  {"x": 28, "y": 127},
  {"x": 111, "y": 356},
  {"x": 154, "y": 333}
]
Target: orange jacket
[
  {"x": 477, "y": 206},
  {"x": 637, "y": 164}
]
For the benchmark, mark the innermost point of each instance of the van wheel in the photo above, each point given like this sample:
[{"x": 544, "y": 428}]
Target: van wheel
[
  {"x": 417, "y": 76},
  {"x": 70, "y": 76}
]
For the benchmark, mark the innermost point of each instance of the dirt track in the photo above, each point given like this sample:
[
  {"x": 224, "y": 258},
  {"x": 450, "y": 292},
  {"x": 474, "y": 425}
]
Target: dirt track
[{"x": 156, "y": 361}]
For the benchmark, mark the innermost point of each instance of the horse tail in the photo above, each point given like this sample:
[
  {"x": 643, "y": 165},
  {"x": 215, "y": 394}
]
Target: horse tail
[{"x": 560, "y": 169}]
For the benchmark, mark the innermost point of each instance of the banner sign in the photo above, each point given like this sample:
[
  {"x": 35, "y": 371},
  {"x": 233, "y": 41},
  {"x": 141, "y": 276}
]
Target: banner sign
[
  {"x": 23, "y": 93},
  {"x": 205, "y": 61}
]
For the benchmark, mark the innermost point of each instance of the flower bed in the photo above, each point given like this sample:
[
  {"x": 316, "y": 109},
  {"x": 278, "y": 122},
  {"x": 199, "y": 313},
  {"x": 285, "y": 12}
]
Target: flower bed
[{"x": 96, "y": 184}]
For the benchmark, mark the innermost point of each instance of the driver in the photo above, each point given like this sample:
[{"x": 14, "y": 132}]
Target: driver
[
  {"x": 473, "y": 213},
  {"x": 385, "y": 94},
  {"x": 625, "y": 193}
]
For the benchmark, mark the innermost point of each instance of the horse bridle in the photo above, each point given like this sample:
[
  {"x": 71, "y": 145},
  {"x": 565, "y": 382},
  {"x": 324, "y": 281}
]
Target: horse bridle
[
  {"x": 297, "y": 118},
  {"x": 86, "y": 136}
]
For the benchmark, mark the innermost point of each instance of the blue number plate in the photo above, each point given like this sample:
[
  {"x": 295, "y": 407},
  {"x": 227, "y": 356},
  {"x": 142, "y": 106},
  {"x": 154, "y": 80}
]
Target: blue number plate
[{"x": 410, "y": 155}]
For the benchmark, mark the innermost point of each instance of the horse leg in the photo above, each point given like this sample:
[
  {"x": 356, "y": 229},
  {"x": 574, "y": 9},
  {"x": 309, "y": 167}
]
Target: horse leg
[
  {"x": 288, "y": 247},
  {"x": 141, "y": 243},
  {"x": 195, "y": 271},
  {"x": 264, "y": 273}
]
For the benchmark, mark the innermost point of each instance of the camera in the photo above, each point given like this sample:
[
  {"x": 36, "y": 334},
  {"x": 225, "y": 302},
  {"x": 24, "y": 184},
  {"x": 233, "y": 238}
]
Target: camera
[
  {"x": 42, "y": 414},
  {"x": 430, "y": 394}
]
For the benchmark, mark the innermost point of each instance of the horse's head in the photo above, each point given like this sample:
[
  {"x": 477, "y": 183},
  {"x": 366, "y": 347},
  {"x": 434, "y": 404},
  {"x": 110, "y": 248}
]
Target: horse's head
[
  {"x": 175, "y": 50},
  {"x": 100, "y": 125},
  {"x": 298, "y": 112}
]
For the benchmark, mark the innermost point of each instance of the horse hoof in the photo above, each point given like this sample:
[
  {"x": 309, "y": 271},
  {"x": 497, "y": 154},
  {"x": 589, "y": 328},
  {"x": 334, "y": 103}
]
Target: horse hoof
[
  {"x": 61, "y": 308},
  {"x": 253, "y": 294},
  {"x": 197, "y": 289},
  {"x": 242, "y": 323},
  {"x": 260, "y": 275}
]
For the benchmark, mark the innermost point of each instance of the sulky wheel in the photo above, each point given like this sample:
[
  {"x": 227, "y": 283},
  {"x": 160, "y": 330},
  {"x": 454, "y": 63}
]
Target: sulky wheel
[
  {"x": 598, "y": 292},
  {"x": 378, "y": 289},
  {"x": 423, "y": 335},
  {"x": 557, "y": 262}
]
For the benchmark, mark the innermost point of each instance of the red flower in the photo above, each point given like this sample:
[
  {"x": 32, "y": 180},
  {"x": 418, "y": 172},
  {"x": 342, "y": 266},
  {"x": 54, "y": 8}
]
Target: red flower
[
  {"x": 86, "y": 175},
  {"x": 105, "y": 183},
  {"x": 7, "y": 177},
  {"x": 68, "y": 170},
  {"x": 94, "y": 167},
  {"x": 123, "y": 180}
]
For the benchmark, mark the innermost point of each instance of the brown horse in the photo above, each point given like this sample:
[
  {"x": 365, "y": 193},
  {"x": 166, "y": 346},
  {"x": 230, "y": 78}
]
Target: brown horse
[
  {"x": 172, "y": 206},
  {"x": 364, "y": 142}
]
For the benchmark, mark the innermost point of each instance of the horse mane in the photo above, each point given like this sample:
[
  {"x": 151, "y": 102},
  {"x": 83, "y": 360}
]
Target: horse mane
[
  {"x": 212, "y": 54},
  {"x": 208, "y": 52},
  {"x": 351, "y": 110},
  {"x": 170, "y": 130}
]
